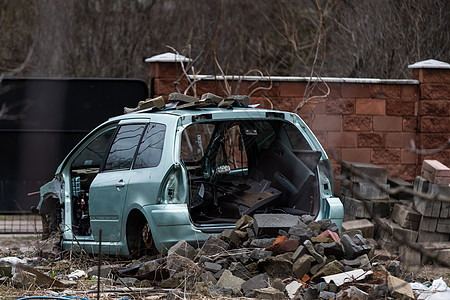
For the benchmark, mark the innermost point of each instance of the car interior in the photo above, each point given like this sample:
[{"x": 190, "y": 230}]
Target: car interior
[{"x": 243, "y": 167}]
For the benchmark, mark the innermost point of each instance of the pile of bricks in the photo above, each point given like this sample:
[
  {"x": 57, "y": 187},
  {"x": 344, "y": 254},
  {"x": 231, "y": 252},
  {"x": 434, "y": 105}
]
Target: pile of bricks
[{"x": 421, "y": 221}]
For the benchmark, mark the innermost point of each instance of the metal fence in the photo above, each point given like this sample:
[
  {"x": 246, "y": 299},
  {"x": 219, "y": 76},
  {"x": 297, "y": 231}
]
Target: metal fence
[{"x": 20, "y": 224}]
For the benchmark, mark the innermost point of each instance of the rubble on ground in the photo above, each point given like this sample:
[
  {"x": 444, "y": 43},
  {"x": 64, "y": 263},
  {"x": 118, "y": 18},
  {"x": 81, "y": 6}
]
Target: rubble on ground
[{"x": 269, "y": 256}]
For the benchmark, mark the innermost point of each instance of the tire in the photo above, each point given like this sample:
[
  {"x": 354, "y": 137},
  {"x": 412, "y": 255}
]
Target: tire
[{"x": 139, "y": 236}]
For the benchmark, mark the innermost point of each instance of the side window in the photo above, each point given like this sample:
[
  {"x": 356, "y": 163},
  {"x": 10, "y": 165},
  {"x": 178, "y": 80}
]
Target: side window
[
  {"x": 195, "y": 140},
  {"x": 151, "y": 147},
  {"x": 92, "y": 155},
  {"x": 124, "y": 147}
]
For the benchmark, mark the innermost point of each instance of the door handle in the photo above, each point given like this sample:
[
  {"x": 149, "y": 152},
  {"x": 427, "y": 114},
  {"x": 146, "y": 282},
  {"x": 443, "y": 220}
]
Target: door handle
[{"x": 120, "y": 184}]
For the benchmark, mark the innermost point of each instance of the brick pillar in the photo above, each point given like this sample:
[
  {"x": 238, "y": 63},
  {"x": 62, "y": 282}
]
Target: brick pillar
[
  {"x": 434, "y": 107},
  {"x": 165, "y": 69}
]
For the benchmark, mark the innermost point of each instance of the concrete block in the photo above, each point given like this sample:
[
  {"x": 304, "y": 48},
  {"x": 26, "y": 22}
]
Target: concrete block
[
  {"x": 366, "y": 227},
  {"x": 398, "y": 182},
  {"x": 435, "y": 172},
  {"x": 443, "y": 225},
  {"x": 356, "y": 208},
  {"x": 409, "y": 256},
  {"x": 270, "y": 224},
  {"x": 426, "y": 237},
  {"x": 428, "y": 208},
  {"x": 440, "y": 249},
  {"x": 377, "y": 173},
  {"x": 381, "y": 208},
  {"x": 406, "y": 217},
  {"x": 364, "y": 190},
  {"x": 428, "y": 224},
  {"x": 397, "y": 230}
]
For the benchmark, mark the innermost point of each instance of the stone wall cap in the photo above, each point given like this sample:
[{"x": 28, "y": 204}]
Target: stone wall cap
[
  {"x": 430, "y": 64},
  {"x": 167, "y": 57},
  {"x": 305, "y": 79}
]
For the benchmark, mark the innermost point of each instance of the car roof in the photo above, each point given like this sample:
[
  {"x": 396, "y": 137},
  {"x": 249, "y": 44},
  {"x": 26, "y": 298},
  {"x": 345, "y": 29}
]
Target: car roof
[{"x": 238, "y": 112}]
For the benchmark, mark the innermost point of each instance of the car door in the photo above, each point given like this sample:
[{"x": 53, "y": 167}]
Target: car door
[{"x": 109, "y": 189}]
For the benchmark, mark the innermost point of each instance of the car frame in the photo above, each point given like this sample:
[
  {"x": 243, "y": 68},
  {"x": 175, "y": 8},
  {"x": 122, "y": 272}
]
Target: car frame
[{"x": 139, "y": 210}]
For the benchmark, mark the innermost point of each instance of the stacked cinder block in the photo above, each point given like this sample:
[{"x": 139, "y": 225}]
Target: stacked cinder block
[
  {"x": 361, "y": 198},
  {"x": 422, "y": 221}
]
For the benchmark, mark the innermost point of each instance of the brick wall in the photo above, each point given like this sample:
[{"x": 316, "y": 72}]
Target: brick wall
[{"x": 363, "y": 120}]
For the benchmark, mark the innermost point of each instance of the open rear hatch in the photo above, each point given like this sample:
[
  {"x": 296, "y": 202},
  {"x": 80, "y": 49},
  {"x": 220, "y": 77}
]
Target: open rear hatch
[{"x": 240, "y": 167}]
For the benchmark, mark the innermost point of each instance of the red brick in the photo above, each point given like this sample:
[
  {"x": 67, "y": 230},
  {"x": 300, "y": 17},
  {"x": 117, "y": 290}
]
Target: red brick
[
  {"x": 385, "y": 156},
  {"x": 403, "y": 171},
  {"x": 355, "y": 90},
  {"x": 400, "y": 108},
  {"x": 164, "y": 87},
  {"x": 410, "y": 124},
  {"x": 434, "y": 108},
  {"x": 390, "y": 91},
  {"x": 334, "y": 155},
  {"x": 356, "y": 154},
  {"x": 321, "y": 89},
  {"x": 292, "y": 89},
  {"x": 387, "y": 123},
  {"x": 432, "y": 140},
  {"x": 400, "y": 139},
  {"x": 327, "y": 122},
  {"x": 434, "y": 124},
  {"x": 410, "y": 92},
  {"x": 340, "y": 106},
  {"x": 408, "y": 157},
  {"x": 342, "y": 139},
  {"x": 435, "y": 76},
  {"x": 209, "y": 86},
  {"x": 165, "y": 70},
  {"x": 322, "y": 137},
  {"x": 371, "y": 139},
  {"x": 370, "y": 107},
  {"x": 316, "y": 108},
  {"x": 284, "y": 103},
  {"x": 357, "y": 123},
  {"x": 442, "y": 156},
  {"x": 435, "y": 91}
]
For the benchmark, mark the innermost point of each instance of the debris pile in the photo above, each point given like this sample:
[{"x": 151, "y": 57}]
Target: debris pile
[
  {"x": 270, "y": 256},
  {"x": 421, "y": 221}
]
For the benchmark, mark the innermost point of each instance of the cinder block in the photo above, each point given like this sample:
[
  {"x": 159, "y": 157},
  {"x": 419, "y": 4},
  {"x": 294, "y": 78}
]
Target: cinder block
[
  {"x": 428, "y": 208},
  {"x": 441, "y": 249},
  {"x": 445, "y": 210},
  {"x": 406, "y": 217},
  {"x": 398, "y": 182},
  {"x": 381, "y": 207},
  {"x": 369, "y": 191},
  {"x": 356, "y": 208},
  {"x": 366, "y": 227},
  {"x": 377, "y": 173},
  {"x": 409, "y": 256},
  {"x": 426, "y": 237},
  {"x": 434, "y": 171},
  {"x": 443, "y": 225},
  {"x": 399, "y": 232},
  {"x": 428, "y": 224}
]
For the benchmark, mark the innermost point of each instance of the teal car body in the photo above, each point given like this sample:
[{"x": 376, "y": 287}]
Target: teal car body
[{"x": 149, "y": 179}]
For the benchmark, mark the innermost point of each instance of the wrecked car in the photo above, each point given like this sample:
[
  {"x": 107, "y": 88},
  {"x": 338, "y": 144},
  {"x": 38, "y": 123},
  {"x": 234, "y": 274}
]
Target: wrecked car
[{"x": 183, "y": 171}]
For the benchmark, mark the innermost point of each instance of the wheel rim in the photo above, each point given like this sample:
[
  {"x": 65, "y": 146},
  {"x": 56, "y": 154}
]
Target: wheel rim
[{"x": 147, "y": 237}]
